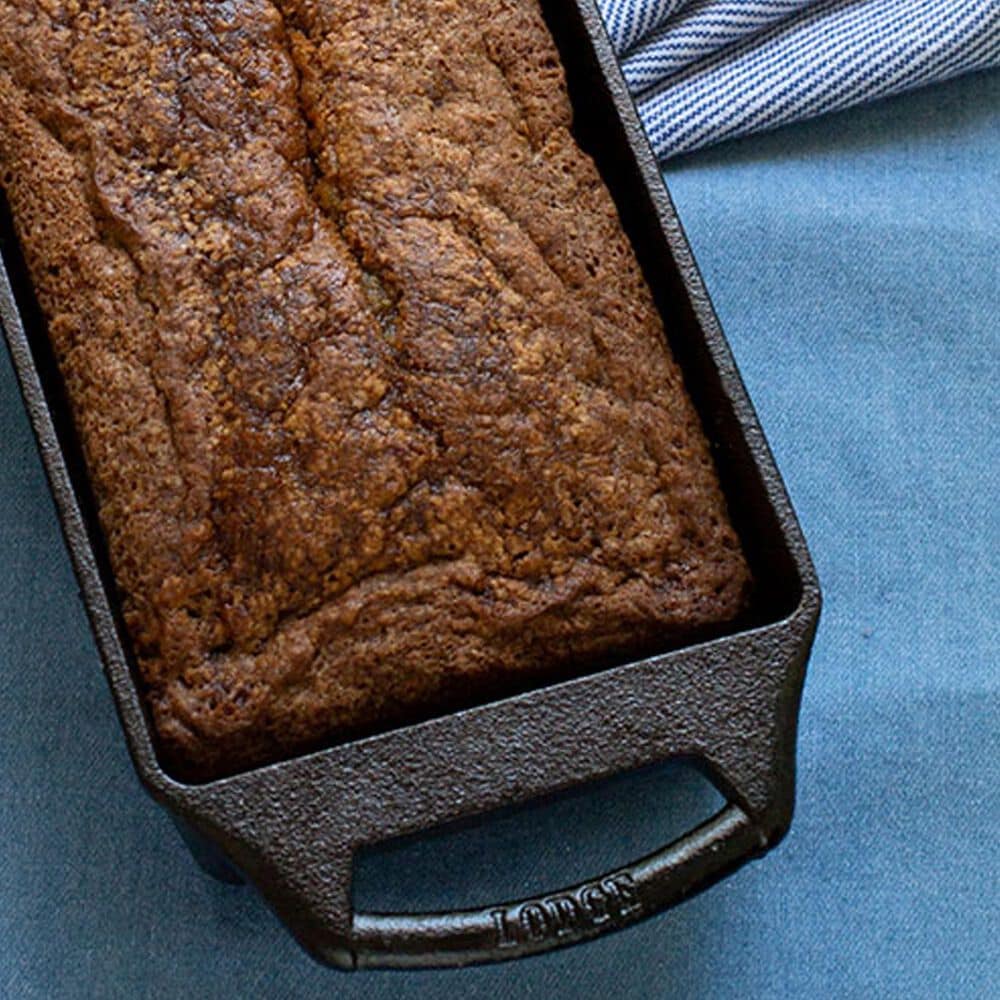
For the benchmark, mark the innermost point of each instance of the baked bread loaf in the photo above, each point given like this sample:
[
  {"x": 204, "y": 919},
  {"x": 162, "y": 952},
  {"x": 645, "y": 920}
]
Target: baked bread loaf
[{"x": 376, "y": 406}]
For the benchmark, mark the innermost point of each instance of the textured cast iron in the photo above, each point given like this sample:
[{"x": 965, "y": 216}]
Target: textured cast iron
[{"x": 730, "y": 704}]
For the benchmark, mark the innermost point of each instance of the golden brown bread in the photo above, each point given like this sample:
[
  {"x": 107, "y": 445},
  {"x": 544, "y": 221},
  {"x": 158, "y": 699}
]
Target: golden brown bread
[{"x": 376, "y": 405}]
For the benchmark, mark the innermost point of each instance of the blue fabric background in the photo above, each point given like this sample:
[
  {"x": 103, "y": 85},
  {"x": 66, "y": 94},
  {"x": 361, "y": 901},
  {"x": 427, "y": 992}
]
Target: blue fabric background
[{"x": 853, "y": 261}]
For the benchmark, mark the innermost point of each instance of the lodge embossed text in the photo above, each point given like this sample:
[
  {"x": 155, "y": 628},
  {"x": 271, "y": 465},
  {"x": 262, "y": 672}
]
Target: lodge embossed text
[{"x": 574, "y": 913}]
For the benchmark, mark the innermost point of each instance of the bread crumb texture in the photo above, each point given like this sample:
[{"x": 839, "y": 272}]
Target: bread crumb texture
[{"x": 377, "y": 408}]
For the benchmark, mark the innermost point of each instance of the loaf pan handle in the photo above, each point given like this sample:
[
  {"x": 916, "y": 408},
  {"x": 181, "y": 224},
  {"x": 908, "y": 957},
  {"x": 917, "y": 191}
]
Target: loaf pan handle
[{"x": 585, "y": 910}]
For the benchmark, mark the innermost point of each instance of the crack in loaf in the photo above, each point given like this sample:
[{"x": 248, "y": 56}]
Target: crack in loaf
[{"x": 376, "y": 406}]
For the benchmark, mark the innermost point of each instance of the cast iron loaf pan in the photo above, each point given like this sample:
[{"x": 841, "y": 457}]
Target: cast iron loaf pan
[{"x": 728, "y": 703}]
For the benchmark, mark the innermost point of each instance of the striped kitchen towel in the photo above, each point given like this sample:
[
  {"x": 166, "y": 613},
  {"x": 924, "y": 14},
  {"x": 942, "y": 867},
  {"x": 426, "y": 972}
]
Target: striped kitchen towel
[{"x": 706, "y": 70}]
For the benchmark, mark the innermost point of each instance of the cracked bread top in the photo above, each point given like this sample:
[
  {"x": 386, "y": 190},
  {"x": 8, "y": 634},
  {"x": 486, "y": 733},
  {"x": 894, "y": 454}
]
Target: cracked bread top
[{"x": 375, "y": 403}]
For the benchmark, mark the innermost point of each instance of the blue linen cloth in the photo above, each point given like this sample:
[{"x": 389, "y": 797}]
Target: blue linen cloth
[
  {"x": 853, "y": 264},
  {"x": 706, "y": 70}
]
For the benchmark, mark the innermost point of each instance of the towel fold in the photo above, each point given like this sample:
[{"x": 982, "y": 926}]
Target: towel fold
[{"x": 707, "y": 70}]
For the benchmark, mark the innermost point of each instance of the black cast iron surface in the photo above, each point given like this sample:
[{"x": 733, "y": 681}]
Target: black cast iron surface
[{"x": 730, "y": 704}]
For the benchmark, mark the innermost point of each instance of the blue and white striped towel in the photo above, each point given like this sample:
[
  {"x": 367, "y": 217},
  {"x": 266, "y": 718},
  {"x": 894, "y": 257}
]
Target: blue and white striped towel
[{"x": 706, "y": 70}]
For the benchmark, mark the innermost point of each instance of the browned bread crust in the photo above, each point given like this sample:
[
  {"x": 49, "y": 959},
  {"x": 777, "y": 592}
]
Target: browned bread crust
[{"x": 376, "y": 405}]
